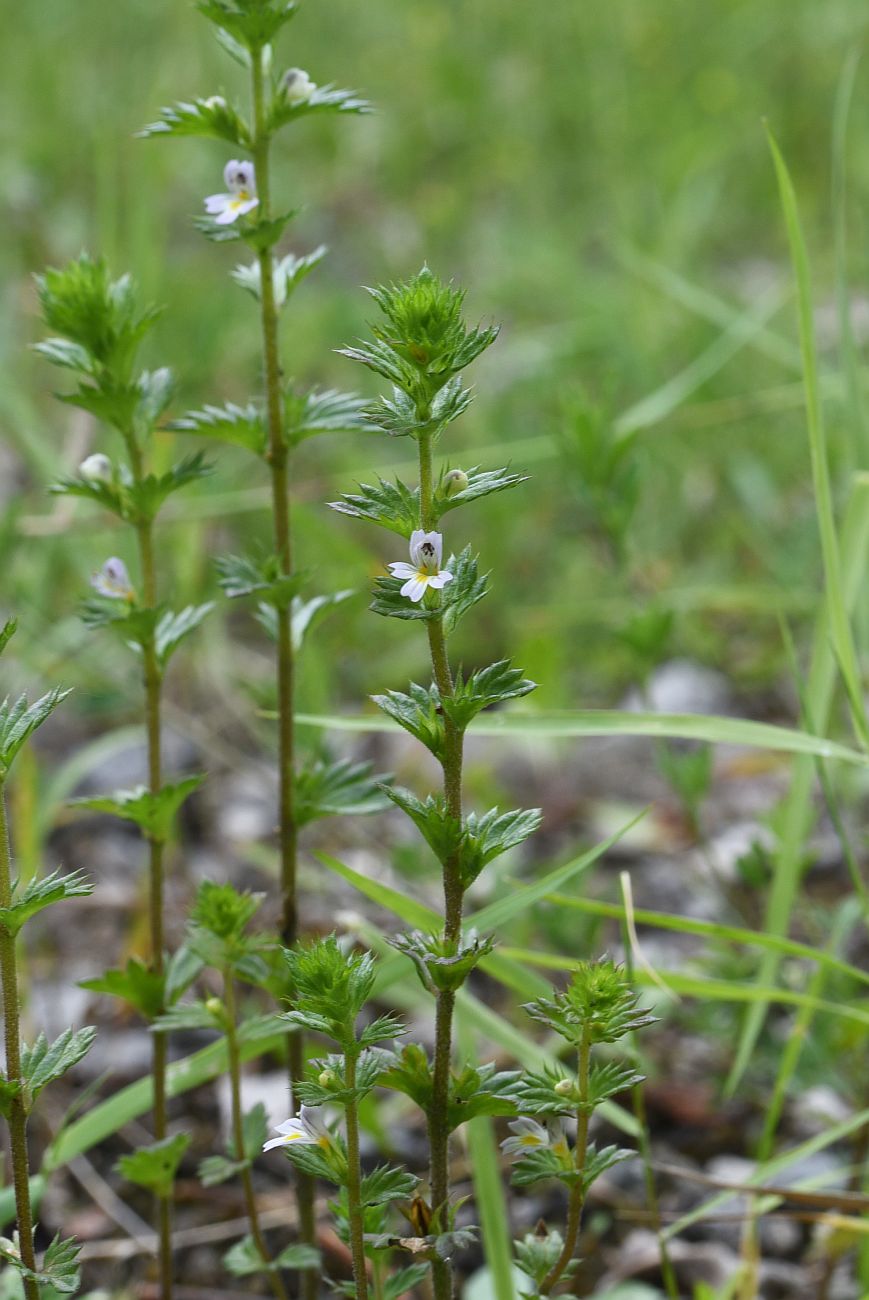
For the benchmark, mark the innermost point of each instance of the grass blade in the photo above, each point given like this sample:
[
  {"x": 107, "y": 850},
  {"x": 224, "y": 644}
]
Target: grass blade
[{"x": 577, "y": 724}]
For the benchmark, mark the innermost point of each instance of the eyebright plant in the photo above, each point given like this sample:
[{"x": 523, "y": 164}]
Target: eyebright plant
[
  {"x": 100, "y": 325},
  {"x": 273, "y": 425},
  {"x": 597, "y": 1008},
  {"x": 220, "y": 945},
  {"x": 422, "y": 345},
  {"x": 30, "y": 1068}
]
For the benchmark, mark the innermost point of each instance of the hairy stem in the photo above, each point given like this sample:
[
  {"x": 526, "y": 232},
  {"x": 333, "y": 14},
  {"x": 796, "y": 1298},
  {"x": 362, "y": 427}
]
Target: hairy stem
[
  {"x": 12, "y": 1032},
  {"x": 577, "y": 1193},
  {"x": 234, "y": 1059},
  {"x": 354, "y": 1182},
  {"x": 439, "y": 1133},
  {"x": 153, "y": 685},
  {"x": 277, "y": 457}
]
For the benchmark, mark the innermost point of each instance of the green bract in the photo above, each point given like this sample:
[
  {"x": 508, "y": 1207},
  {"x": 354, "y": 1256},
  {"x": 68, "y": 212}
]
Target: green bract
[
  {"x": 598, "y": 1003},
  {"x": 421, "y": 347}
]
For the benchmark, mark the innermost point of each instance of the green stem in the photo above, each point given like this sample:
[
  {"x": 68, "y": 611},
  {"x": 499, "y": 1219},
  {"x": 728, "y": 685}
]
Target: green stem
[
  {"x": 354, "y": 1181},
  {"x": 12, "y": 1031},
  {"x": 439, "y": 1133},
  {"x": 277, "y": 456},
  {"x": 153, "y": 685},
  {"x": 577, "y": 1193},
  {"x": 234, "y": 1059}
]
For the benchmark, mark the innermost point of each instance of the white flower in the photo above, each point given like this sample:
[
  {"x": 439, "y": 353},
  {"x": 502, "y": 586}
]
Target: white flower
[
  {"x": 96, "y": 468},
  {"x": 240, "y": 180},
  {"x": 309, "y": 1129},
  {"x": 424, "y": 570},
  {"x": 530, "y": 1136},
  {"x": 297, "y": 85},
  {"x": 113, "y": 580}
]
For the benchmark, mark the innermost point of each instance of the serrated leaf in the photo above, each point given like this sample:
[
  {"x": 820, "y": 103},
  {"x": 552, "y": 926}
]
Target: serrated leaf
[
  {"x": 315, "y": 1161},
  {"x": 542, "y": 1162},
  {"x": 297, "y": 1257},
  {"x": 336, "y": 789},
  {"x": 467, "y": 587},
  {"x": 383, "y": 361},
  {"x": 110, "y": 496},
  {"x": 110, "y": 402},
  {"x": 400, "y": 417},
  {"x": 392, "y": 505},
  {"x": 147, "y": 496},
  {"x": 419, "y": 712},
  {"x": 481, "y": 1090},
  {"x": 244, "y": 426},
  {"x": 156, "y": 1165},
  {"x": 259, "y": 1028},
  {"x": 488, "y": 836},
  {"x": 65, "y": 353},
  {"x": 173, "y": 628},
  {"x": 135, "y": 625},
  {"x": 252, "y": 26},
  {"x": 304, "y": 615},
  {"x": 100, "y": 319},
  {"x": 321, "y": 411},
  {"x": 608, "y": 1079},
  {"x": 261, "y": 235},
  {"x": 385, "y": 1184},
  {"x": 382, "y": 1029},
  {"x": 370, "y": 1065},
  {"x": 288, "y": 272},
  {"x": 244, "y": 1259},
  {"x": 42, "y": 893},
  {"x": 213, "y": 118},
  {"x": 404, "y": 1281},
  {"x": 214, "y": 1170},
  {"x": 187, "y": 1015},
  {"x": 152, "y": 813},
  {"x": 247, "y": 575},
  {"x": 255, "y": 1127},
  {"x": 447, "y": 1244},
  {"x": 19, "y": 720},
  {"x": 44, "y": 1062},
  {"x": 59, "y": 1274},
  {"x": 136, "y": 984},
  {"x": 596, "y": 1162},
  {"x": 487, "y": 686},
  {"x": 182, "y": 969},
  {"x": 440, "y": 830},
  {"x": 322, "y": 99},
  {"x": 469, "y": 844}
]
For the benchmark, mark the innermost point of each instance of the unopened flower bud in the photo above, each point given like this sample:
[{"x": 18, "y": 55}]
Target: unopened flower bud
[
  {"x": 96, "y": 468},
  {"x": 326, "y": 1078},
  {"x": 297, "y": 85},
  {"x": 214, "y": 1007},
  {"x": 454, "y": 482},
  {"x": 564, "y": 1087}
]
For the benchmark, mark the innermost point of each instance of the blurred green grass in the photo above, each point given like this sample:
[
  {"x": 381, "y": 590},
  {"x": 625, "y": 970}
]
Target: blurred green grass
[{"x": 530, "y": 151}]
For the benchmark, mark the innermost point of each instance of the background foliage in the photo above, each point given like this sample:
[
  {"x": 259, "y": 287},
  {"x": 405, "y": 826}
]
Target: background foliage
[{"x": 565, "y": 162}]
